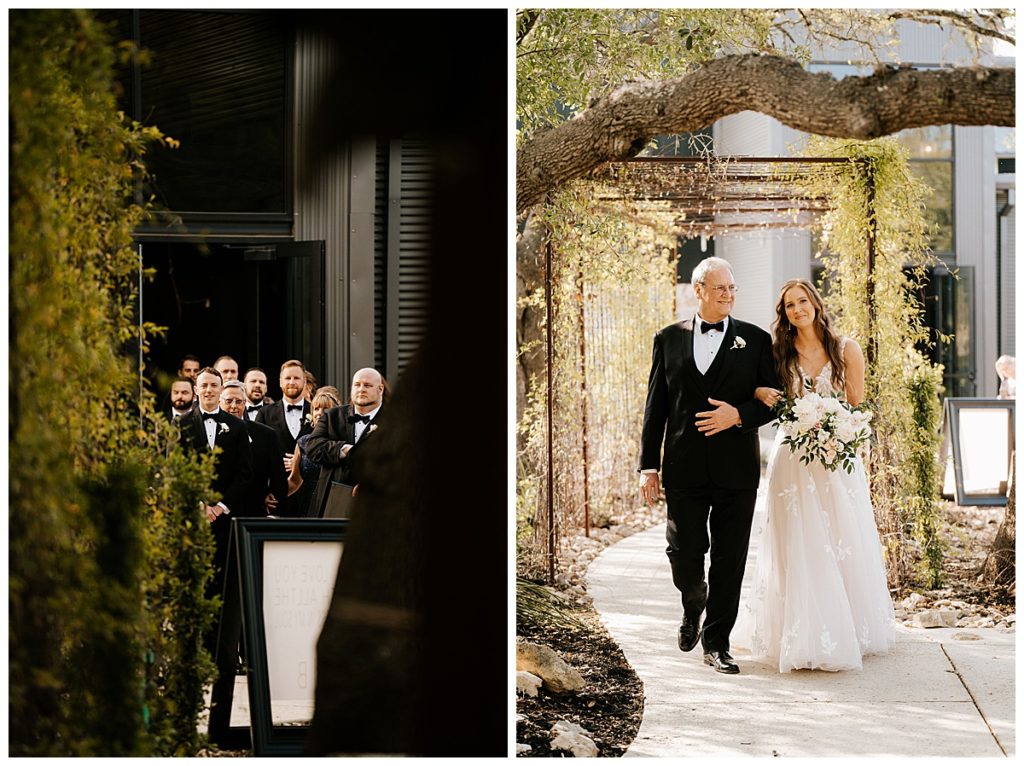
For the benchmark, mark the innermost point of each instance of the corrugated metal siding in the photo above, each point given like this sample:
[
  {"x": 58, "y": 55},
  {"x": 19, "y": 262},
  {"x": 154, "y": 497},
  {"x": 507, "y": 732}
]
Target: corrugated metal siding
[
  {"x": 321, "y": 202},
  {"x": 746, "y": 133},
  {"x": 928, "y": 44},
  {"x": 380, "y": 257},
  {"x": 975, "y": 232},
  {"x": 751, "y": 257},
  {"x": 409, "y": 239},
  {"x": 1007, "y": 232}
]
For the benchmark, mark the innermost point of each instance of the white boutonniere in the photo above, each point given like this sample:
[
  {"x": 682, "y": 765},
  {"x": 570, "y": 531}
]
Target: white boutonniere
[
  {"x": 371, "y": 428},
  {"x": 738, "y": 343},
  {"x": 224, "y": 428},
  {"x": 309, "y": 418}
]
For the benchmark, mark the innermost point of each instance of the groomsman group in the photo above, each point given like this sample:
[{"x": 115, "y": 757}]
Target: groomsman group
[
  {"x": 215, "y": 409},
  {"x": 256, "y": 439}
]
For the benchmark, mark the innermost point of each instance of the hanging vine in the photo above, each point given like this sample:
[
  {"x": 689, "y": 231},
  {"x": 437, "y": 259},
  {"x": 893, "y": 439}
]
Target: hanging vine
[
  {"x": 877, "y": 202},
  {"x": 611, "y": 289}
]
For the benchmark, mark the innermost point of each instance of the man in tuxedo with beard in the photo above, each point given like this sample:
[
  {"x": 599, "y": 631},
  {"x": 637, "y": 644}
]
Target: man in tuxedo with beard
[
  {"x": 700, "y": 403},
  {"x": 269, "y": 482},
  {"x": 182, "y": 399},
  {"x": 205, "y": 428},
  {"x": 255, "y": 392},
  {"x": 290, "y": 417},
  {"x": 341, "y": 431}
]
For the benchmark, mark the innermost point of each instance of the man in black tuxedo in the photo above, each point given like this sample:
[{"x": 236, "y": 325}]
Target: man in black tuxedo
[
  {"x": 700, "y": 400},
  {"x": 255, "y": 391},
  {"x": 182, "y": 398},
  {"x": 290, "y": 417},
  {"x": 341, "y": 432},
  {"x": 269, "y": 481},
  {"x": 206, "y": 427}
]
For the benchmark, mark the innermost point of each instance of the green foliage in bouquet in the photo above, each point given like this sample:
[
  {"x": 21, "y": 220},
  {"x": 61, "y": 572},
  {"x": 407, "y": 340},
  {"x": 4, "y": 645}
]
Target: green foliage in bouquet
[{"x": 824, "y": 429}]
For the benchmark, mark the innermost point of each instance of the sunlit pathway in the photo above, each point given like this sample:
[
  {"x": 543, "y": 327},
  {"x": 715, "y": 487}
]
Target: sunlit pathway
[{"x": 911, "y": 702}]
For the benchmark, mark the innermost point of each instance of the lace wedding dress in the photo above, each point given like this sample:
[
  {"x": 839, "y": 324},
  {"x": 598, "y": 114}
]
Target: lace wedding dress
[{"x": 819, "y": 597}]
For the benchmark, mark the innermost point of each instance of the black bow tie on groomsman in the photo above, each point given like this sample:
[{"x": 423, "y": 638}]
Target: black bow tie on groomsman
[
  {"x": 291, "y": 407},
  {"x": 207, "y": 415},
  {"x": 254, "y": 408},
  {"x": 705, "y": 326},
  {"x": 358, "y": 418}
]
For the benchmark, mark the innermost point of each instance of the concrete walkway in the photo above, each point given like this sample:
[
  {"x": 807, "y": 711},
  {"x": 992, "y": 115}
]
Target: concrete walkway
[{"x": 939, "y": 693}]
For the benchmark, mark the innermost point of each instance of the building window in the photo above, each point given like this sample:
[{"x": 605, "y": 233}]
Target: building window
[{"x": 218, "y": 82}]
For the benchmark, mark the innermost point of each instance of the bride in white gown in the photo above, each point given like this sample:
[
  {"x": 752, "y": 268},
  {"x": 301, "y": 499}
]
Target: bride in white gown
[{"x": 819, "y": 597}]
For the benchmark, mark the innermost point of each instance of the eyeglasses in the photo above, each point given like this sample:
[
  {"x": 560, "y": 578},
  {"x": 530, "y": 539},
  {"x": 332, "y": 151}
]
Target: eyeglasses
[{"x": 722, "y": 289}]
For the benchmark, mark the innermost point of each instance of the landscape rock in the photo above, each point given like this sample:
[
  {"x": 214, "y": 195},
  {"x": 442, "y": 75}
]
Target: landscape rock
[
  {"x": 542, "y": 661},
  {"x": 521, "y": 748},
  {"x": 911, "y": 601},
  {"x": 936, "y": 618},
  {"x": 573, "y": 738},
  {"x": 527, "y": 683},
  {"x": 966, "y": 637}
]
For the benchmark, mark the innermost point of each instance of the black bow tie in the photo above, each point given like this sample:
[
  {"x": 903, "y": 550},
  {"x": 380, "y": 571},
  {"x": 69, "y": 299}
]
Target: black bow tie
[
  {"x": 207, "y": 415},
  {"x": 705, "y": 326},
  {"x": 291, "y": 407},
  {"x": 253, "y": 408},
  {"x": 358, "y": 418}
]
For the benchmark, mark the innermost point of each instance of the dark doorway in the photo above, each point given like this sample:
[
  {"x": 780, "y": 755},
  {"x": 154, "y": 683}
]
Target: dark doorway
[{"x": 260, "y": 304}]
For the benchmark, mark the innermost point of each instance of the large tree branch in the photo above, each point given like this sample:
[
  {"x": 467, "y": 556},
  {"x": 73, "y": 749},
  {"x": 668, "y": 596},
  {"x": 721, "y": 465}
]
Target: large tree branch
[
  {"x": 526, "y": 21},
  {"x": 618, "y": 126}
]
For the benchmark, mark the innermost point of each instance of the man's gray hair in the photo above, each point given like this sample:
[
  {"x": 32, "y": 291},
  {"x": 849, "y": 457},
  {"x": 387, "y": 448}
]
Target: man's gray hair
[
  {"x": 708, "y": 264},
  {"x": 234, "y": 384}
]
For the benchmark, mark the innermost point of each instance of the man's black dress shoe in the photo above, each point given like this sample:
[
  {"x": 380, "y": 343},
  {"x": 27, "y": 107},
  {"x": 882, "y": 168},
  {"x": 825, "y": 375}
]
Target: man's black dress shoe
[
  {"x": 721, "y": 661},
  {"x": 689, "y": 633}
]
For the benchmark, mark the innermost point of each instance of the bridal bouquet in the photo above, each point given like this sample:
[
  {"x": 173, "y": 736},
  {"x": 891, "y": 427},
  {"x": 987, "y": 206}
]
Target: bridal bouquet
[{"x": 823, "y": 428}]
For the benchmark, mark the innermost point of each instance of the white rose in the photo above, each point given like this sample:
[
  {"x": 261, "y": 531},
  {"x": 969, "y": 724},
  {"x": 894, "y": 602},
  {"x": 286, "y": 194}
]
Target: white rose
[{"x": 846, "y": 432}]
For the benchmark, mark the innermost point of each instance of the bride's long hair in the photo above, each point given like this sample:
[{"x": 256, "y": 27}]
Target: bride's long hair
[{"x": 784, "y": 347}]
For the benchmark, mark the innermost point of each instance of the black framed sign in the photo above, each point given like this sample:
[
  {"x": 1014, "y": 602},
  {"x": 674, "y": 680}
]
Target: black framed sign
[
  {"x": 287, "y": 571},
  {"x": 978, "y": 441}
]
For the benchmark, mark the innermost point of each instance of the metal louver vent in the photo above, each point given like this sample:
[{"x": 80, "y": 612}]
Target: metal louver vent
[
  {"x": 409, "y": 241},
  {"x": 380, "y": 258}
]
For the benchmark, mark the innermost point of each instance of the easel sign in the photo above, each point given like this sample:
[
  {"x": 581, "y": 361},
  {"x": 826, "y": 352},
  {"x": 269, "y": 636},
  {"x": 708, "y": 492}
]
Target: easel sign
[
  {"x": 978, "y": 441},
  {"x": 288, "y": 569}
]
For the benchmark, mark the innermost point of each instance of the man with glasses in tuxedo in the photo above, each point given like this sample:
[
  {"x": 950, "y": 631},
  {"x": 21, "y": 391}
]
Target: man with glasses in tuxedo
[{"x": 701, "y": 408}]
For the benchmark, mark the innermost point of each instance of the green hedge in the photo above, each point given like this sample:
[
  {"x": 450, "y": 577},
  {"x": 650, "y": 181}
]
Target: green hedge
[{"x": 109, "y": 553}]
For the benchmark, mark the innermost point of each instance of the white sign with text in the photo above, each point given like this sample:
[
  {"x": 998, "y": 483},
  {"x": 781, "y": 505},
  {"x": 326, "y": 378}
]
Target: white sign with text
[{"x": 298, "y": 581}]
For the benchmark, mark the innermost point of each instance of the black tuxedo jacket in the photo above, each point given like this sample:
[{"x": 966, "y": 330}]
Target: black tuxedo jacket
[
  {"x": 273, "y": 415},
  {"x": 324, "y": 447},
  {"x": 251, "y": 416},
  {"x": 168, "y": 413},
  {"x": 234, "y": 463},
  {"x": 676, "y": 392},
  {"x": 267, "y": 468}
]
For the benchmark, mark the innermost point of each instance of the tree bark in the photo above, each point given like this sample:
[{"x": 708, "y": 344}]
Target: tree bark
[
  {"x": 1000, "y": 567},
  {"x": 529, "y": 329},
  {"x": 619, "y": 125}
]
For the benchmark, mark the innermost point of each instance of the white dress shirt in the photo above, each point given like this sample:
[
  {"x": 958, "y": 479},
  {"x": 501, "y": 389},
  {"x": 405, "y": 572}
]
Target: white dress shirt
[
  {"x": 361, "y": 427},
  {"x": 293, "y": 418},
  {"x": 211, "y": 427},
  {"x": 706, "y": 344}
]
